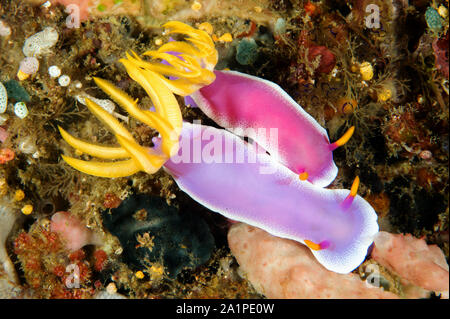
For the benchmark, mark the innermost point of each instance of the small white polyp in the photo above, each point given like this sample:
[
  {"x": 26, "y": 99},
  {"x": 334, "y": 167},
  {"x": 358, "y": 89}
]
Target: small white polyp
[
  {"x": 64, "y": 80},
  {"x": 54, "y": 71},
  {"x": 20, "y": 109}
]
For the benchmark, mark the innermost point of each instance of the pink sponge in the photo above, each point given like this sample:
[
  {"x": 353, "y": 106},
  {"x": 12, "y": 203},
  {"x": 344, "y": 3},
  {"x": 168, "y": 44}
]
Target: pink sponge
[
  {"x": 412, "y": 259},
  {"x": 282, "y": 268},
  {"x": 72, "y": 230}
]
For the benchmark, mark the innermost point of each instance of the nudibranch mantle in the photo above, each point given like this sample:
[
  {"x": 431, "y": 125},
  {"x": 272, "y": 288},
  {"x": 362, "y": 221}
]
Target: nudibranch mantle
[
  {"x": 266, "y": 194},
  {"x": 241, "y": 102}
]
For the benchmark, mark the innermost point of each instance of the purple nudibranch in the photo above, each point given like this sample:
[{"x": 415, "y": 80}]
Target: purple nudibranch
[
  {"x": 244, "y": 104},
  {"x": 227, "y": 175}
]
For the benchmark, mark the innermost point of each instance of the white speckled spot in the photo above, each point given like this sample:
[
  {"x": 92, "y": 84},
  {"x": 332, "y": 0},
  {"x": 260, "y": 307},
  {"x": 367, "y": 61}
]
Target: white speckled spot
[
  {"x": 54, "y": 71},
  {"x": 3, "y": 98},
  {"x": 107, "y": 105},
  {"x": 64, "y": 80},
  {"x": 29, "y": 65},
  {"x": 20, "y": 109},
  {"x": 40, "y": 43}
]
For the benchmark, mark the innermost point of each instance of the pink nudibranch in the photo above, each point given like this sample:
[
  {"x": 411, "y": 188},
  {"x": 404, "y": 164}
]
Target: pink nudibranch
[
  {"x": 245, "y": 104},
  {"x": 220, "y": 171}
]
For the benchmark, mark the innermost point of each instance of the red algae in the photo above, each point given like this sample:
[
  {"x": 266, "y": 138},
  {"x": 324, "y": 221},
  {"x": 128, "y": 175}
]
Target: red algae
[
  {"x": 327, "y": 58},
  {"x": 440, "y": 48},
  {"x": 101, "y": 259},
  {"x": 111, "y": 201},
  {"x": 46, "y": 263}
]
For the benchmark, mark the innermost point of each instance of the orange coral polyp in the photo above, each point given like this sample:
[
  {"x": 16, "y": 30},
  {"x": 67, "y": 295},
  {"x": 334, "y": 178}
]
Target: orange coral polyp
[{"x": 6, "y": 155}]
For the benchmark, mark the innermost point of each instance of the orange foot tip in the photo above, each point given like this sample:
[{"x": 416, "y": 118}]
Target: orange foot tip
[{"x": 322, "y": 245}]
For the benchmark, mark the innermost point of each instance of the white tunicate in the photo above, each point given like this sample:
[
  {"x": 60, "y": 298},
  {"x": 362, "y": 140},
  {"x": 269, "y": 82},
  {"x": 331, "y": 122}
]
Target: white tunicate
[
  {"x": 5, "y": 30},
  {"x": 40, "y": 43},
  {"x": 29, "y": 65},
  {"x": 107, "y": 105},
  {"x": 54, "y": 71},
  {"x": 3, "y": 98},
  {"x": 64, "y": 80},
  {"x": 20, "y": 109},
  {"x": 280, "y": 26}
]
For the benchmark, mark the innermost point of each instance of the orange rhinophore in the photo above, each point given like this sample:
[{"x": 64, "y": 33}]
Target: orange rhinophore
[{"x": 344, "y": 139}]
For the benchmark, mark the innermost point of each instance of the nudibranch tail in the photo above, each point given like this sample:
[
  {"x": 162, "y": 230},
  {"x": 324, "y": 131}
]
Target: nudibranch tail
[
  {"x": 190, "y": 68},
  {"x": 344, "y": 139},
  {"x": 167, "y": 120}
]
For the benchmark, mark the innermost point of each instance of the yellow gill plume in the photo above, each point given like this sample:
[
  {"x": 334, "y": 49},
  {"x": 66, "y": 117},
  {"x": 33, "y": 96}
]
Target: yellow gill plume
[
  {"x": 166, "y": 120},
  {"x": 192, "y": 68}
]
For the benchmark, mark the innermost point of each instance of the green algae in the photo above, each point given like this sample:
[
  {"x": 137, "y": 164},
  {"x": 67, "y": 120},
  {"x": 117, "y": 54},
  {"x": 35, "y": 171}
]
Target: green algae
[{"x": 16, "y": 91}]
